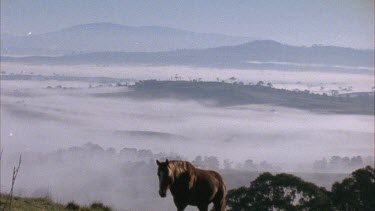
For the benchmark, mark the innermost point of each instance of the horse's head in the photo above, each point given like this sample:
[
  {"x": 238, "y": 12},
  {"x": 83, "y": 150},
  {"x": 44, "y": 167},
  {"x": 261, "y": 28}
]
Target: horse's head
[{"x": 165, "y": 177}]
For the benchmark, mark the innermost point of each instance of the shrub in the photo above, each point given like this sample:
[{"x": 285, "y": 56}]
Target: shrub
[
  {"x": 72, "y": 206},
  {"x": 100, "y": 206},
  {"x": 279, "y": 192}
]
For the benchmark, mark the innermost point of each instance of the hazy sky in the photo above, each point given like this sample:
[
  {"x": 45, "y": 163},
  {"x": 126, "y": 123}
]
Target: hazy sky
[{"x": 300, "y": 22}]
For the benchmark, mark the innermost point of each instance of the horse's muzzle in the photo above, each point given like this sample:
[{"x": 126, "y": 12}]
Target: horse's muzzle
[{"x": 162, "y": 194}]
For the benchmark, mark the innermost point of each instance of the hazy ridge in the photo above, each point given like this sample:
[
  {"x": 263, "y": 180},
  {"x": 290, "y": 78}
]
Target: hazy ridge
[
  {"x": 262, "y": 54},
  {"x": 97, "y": 37}
]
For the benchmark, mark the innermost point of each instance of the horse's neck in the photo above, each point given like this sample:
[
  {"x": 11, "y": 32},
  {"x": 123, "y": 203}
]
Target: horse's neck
[
  {"x": 182, "y": 184},
  {"x": 184, "y": 175},
  {"x": 181, "y": 168}
]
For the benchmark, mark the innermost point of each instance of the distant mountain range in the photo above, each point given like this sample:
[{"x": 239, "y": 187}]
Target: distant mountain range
[
  {"x": 264, "y": 54},
  {"x": 99, "y": 37}
]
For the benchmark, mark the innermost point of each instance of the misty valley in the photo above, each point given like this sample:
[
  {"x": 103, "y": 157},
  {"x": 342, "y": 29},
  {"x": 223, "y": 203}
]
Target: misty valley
[
  {"x": 169, "y": 105},
  {"x": 93, "y": 133}
]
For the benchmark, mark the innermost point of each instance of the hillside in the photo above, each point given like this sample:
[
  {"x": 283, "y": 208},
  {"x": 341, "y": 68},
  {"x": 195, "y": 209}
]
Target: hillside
[
  {"x": 41, "y": 204},
  {"x": 98, "y": 37},
  {"x": 265, "y": 54},
  {"x": 227, "y": 94}
]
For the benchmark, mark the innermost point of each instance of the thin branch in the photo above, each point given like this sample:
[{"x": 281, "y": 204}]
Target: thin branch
[{"x": 8, "y": 202}]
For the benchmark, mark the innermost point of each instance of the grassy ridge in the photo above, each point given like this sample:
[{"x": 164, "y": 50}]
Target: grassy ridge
[
  {"x": 231, "y": 94},
  {"x": 32, "y": 204},
  {"x": 44, "y": 204}
]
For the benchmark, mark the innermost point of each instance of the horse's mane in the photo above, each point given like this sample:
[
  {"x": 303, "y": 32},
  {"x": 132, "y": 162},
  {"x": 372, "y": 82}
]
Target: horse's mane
[{"x": 180, "y": 167}]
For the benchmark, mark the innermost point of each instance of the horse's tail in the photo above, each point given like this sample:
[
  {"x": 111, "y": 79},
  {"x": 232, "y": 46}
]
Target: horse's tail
[
  {"x": 220, "y": 205},
  {"x": 223, "y": 201}
]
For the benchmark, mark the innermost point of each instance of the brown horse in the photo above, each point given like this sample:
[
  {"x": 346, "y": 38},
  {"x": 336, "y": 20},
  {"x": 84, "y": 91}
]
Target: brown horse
[{"x": 191, "y": 186}]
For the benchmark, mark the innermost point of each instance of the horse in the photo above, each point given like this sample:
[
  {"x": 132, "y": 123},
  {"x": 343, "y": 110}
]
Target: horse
[{"x": 191, "y": 186}]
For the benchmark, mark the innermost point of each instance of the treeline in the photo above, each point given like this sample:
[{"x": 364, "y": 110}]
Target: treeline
[
  {"x": 338, "y": 163},
  {"x": 288, "y": 192},
  {"x": 212, "y": 162},
  {"x": 335, "y": 164},
  {"x": 148, "y": 156}
]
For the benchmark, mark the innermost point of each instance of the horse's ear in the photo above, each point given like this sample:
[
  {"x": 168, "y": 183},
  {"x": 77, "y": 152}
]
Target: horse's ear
[
  {"x": 158, "y": 162},
  {"x": 167, "y": 161}
]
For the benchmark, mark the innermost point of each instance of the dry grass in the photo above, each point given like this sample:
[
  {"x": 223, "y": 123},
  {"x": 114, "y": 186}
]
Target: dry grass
[{"x": 44, "y": 204}]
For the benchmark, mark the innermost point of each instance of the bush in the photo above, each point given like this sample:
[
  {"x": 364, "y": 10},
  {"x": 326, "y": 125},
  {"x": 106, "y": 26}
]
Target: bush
[
  {"x": 288, "y": 192},
  {"x": 280, "y": 192},
  {"x": 100, "y": 206},
  {"x": 72, "y": 206}
]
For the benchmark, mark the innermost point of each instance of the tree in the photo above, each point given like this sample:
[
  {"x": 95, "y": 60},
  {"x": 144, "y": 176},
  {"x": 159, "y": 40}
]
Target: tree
[
  {"x": 237, "y": 199},
  {"x": 356, "y": 192},
  {"x": 356, "y": 161},
  {"x": 320, "y": 165},
  {"x": 279, "y": 192},
  {"x": 227, "y": 164},
  {"x": 250, "y": 165},
  {"x": 270, "y": 85},
  {"x": 198, "y": 162},
  {"x": 264, "y": 166},
  {"x": 211, "y": 162},
  {"x": 260, "y": 83},
  {"x": 334, "y": 92},
  {"x": 232, "y": 79}
]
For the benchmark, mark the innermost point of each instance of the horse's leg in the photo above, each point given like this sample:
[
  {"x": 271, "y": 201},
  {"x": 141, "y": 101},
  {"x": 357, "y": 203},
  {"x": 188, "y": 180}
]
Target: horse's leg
[
  {"x": 180, "y": 205},
  {"x": 203, "y": 207},
  {"x": 219, "y": 205}
]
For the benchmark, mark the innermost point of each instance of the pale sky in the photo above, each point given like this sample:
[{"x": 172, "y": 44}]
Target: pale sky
[{"x": 347, "y": 23}]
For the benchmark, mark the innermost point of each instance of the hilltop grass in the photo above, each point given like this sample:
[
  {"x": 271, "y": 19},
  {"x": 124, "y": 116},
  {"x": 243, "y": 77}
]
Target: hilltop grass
[{"x": 42, "y": 204}]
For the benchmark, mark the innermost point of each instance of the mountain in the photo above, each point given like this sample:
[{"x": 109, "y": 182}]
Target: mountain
[
  {"x": 98, "y": 37},
  {"x": 264, "y": 54}
]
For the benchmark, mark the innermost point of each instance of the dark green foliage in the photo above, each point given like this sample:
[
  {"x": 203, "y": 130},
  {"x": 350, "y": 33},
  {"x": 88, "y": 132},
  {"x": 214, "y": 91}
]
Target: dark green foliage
[
  {"x": 280, "y": 192},
  {"x": 100, "y": 206},
  {"x": 356, "y": 192},
  {"x": 96, "y": 206},
  {"x": 72, "y": 206},
  {"x": 237, "y": 199},
  {"x": 288, "y": 192}
]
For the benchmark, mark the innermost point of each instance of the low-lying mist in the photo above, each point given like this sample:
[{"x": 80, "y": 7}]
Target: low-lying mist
[
  {"x": 315, "y": 81},
  {"x": 44, "y": 124},
  {"x": 42, "y": 119}
]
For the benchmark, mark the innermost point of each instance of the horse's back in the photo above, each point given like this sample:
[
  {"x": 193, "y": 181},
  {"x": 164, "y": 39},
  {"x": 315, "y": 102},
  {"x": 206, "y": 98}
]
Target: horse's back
[
  {"x": 210, "y": 183},
  {"x": 222, "y": 189}
]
